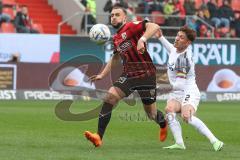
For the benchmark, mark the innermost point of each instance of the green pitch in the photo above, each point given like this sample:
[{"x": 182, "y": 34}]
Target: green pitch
[{"x": 29, "y": 130}]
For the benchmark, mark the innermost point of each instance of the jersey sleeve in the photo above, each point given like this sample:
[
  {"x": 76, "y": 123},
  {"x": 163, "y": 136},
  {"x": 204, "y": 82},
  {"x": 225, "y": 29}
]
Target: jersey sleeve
[
  {"x": 138, "y": 27},
  {"x": 166, "y": 44}
]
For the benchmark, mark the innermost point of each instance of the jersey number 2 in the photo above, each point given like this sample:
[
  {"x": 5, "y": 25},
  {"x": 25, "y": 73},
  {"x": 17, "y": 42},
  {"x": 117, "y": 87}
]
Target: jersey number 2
[{"x": 187, "y": 97}]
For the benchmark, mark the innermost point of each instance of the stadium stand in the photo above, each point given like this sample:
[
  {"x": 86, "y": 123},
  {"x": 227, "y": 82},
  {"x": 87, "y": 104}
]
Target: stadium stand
[
  {"x": 157, "y": 17},
  {"x": 198, "y": 16},
  {"x": 38, "y": 27},
  {"x": 236, "y": 5},
  {"x": 42, "y": 13},
  {"x": 9, "y": 2},
  {"x": 43, "y": 16},
  {"x": 9, "y": 11},
  {"x": 7, "y": 28}
]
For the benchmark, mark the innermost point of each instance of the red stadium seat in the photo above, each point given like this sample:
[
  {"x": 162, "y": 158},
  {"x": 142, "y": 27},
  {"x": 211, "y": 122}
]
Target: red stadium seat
[
  {"x": 181, "y": 1},
  {"x": 8, "y": 28},
  {"x": 225, "y": 30},
  {"x": 38, "y": 27},
  {"x": 9, "y": 11},
  {"x": 235, "y": 5},
  {"x": 139, "y": 18},
  {"x": 9, "y": 2},
  {"x": 198, "y": 3},
  {"x": 157, "y": 17}
]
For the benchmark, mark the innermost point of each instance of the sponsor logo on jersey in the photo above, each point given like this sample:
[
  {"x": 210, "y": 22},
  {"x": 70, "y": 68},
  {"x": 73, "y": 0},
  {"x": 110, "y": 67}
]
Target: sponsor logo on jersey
[{"x": 123, "y": 47}]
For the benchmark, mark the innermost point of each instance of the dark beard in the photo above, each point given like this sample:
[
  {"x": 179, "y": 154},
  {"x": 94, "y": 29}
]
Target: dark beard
[{"x": 117, "y": 26}]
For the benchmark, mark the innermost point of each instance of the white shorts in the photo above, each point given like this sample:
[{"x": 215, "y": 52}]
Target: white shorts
[{"x": 192, "y": 97}]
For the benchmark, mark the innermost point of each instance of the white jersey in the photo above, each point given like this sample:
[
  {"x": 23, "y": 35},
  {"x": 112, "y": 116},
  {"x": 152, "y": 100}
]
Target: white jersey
[
  {"x": 181, "y": 74},
  {"x": 181, "y": 68}
]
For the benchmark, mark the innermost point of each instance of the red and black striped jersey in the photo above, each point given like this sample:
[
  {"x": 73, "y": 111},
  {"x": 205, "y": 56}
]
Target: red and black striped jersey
[{"x": 125, "y": 41}]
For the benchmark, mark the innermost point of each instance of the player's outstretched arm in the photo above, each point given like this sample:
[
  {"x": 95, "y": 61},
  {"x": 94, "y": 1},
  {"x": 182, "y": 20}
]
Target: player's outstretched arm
[
  {"x": 163, "y": 40},
  {"x": 113, "y": 62},
  {"x": 158, "y": 34},
  {"x": 151, "y": 29}
]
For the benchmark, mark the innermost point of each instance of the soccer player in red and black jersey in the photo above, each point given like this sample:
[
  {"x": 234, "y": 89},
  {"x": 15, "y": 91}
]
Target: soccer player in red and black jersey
[{"x": 139, "y": 72}]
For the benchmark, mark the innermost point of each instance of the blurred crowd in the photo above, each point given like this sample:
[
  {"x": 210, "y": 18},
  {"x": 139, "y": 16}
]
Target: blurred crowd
[
  {"x": 14, "y": 18},
  {"x": 210, "y": 19}
]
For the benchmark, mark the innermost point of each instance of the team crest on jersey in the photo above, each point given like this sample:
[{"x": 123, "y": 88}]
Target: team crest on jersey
[{"x": 124, "y": 35}]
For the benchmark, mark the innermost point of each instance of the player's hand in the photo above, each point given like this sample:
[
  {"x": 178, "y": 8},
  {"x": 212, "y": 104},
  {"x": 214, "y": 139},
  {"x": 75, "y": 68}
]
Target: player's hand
[
  {"x": 187, "y": 113},
  {"x": 140, "y": 46},
  {"x": 95, "y": 78},
  {"x": 158, "y": 34}
]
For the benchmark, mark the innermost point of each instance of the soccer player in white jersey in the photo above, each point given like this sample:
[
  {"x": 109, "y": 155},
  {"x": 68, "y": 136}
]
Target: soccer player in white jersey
[{"x": 185, "y": 96}]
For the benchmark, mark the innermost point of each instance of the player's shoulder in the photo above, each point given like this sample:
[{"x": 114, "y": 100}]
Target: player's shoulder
[
  {"x": 190, "y": 55},
  {"x": 133, "y": 23},
  {"x": 188, "y": 52},
  {"x": 136, "y": 22},
  {"x": 173, "y": 50}
]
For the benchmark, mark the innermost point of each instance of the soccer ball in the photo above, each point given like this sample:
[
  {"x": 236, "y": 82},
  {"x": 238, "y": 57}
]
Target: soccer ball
[{"x": 100, "y": 33}]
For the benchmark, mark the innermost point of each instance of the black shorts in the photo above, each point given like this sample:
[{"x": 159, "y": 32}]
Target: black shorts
[{"x": 145, "y": 86}]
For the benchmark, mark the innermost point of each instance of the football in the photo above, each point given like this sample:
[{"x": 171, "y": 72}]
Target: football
[{"x": 99, "y": 33}]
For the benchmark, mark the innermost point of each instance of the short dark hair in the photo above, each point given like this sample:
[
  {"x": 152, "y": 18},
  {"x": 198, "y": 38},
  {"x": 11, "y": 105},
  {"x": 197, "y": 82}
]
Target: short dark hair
[
  {"x": 119, "y": 6},
  {"x": 190, "y": 33}
]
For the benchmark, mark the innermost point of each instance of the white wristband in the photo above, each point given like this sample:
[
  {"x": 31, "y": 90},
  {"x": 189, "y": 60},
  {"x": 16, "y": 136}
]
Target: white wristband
[{"x": 144, "y": 39}]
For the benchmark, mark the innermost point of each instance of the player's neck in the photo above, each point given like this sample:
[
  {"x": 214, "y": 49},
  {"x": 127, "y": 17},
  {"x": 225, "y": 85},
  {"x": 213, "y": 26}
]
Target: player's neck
[
  {"x": 180, "y": 50},
  {"x": 120, "y": 27}
]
